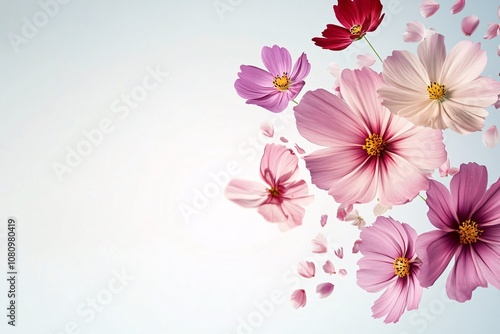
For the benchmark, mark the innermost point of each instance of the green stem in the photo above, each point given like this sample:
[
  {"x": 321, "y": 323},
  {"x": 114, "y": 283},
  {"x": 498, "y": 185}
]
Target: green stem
[
  {"x": 295, "y": 102},
  {"x": 422, "y": 197},
  {"x": 370, "y": 44}
]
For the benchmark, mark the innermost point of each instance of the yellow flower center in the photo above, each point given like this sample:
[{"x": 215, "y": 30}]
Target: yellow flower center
[
  {"x": 355, "y": 30},
  {"x": 401, "y": 267},
  {"x": 436, "y": 91},
  {"x": 468, "y": 232},
  {"x": 274, "y": 192},
  {"x": 374, "y": 145},
  {"x": 281, "y": 82}
]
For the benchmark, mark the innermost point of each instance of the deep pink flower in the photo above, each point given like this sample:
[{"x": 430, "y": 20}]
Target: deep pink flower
[
  {"x": 389, "y": 262},
  {"x": 468, "y": 228},
  {"x": 439, "y": 91},
  {"x": 357, "y": 18},
  {"x": 282, "y": 199},
  {"x": 369, "y": 150},
  {"x": 274, "y": 88}
]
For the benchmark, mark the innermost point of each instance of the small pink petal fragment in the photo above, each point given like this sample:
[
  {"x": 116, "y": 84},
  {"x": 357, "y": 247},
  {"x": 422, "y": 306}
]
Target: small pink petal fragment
[
  {"x": 446, "y": 170},
  {"x": 299, "y": 149},
  {"x": 284, "y": 140},
  {"x": 490, "y": 137},
  {"x": 379, "y": 209},
  {"x": 323, "y": 220},
  {"x": 306, "y": 269},
  {"x": 355, "y": 219},
  {"x": 343, "y": 272},
  {"x": 458, "y": 6},
  {"x": 267, "y": 129},
  {"x": 469, "y": 24},
  {"x": 493, "y": 31},
  {"x": 343, "y": 210},
  {"x": 324, "y": 289},
  {"x": 355, "y": 247},
  {"x": 428, "y": 8},
  {"x": 340, "y": 252},
  {"x": 415, "y": 32},
  {"x": 329, "y": 268},
  {"x": 319, "y": 244},
  {"x": 334, "y": 70},
  {"x": 365, "y": 60},
  {"x": 298, "y": 298}
]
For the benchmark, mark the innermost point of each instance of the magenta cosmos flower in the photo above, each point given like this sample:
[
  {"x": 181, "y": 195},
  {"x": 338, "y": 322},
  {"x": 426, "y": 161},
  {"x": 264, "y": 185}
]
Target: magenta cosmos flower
[
  {"x": 282, "y": 200},
  {"x": 357, "y": 17},
  {"x": 274, "y": 88},
  {"x": 439, "y": 91},
  {"x": 389, "y": 262},
  {"x": 369, "y": 150},
  {"x": 468, "y": 222}
]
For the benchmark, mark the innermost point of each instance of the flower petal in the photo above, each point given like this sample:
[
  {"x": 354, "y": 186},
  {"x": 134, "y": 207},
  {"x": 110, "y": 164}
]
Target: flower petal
[
  {"x": 490, "y": 136},
  {"x": 342, "y": 272},
  {"x": 306, "y": 269},
  {"x": 334, "y": 38},
  {"x": 493, "y": 31},
  {"x": 392, "y": 302},
  {"x": 365, "y": 60},
  {"x": 299, "y": 149},
  {"x": 319, "y": 244},
  {"x": 248, "y": 194},
  {"x": 379, "y": 209},
  {"x": 278, "y": 165},
  {"x": 467, "y": 187},
  {"x": 329, "y": 268},
  {"x": 486, "y": 256},
  {"x": 415, "y": 32},
  {"x": 355, "y": 247},
  {"x": 323, "y": 220},
  {"x": 343, "y": 210},
  {"x": 432, "y": 54},
  {"x": 340, "y": 252},
  {"x": 441, "y": 212},
  {"x": 298, "y": 298},
  {"x": 277, "y": 60},
  {"x": 300, "y": 69},
  {"x": 324, "y": 289},
  {"x": 267, "y": 129},
  {"x": 469, "y": 24},
  {"x": 458, "y": 6},
  {"x": 428, "y": 8}
]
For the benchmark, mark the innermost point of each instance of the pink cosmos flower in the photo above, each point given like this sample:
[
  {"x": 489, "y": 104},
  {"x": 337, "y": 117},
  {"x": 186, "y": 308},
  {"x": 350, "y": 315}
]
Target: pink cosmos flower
[
  {"x": 436, "y": 91},
  {"x": 469, "y": 24},
  {"x": 428, "y": 8},
  {"x": 274, "y": 88},
  {"x": 357, "y": 17},
  {"x": 282, "y": 199},
  {"x": 369, "y": 150},
  {"x": 468, "y": 228},
  {"x": 389, "y": 262}
]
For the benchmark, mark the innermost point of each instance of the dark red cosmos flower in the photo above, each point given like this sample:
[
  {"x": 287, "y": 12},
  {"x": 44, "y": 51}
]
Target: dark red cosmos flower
[{"x": 357, "y": 17}]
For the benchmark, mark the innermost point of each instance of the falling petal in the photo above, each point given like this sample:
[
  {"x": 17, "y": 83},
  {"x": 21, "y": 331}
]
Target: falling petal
[
  {"x": 306, "y": 269},
  {"x": 365, "y": 60},
  {"x": 298, "y": 298},
  {"x": 490, "y": 136},
  {"x": 415, "y": 32},
  {"x": 284, "y": 140},
  {"x": 343, "y": 210},
  {"x": 458, "y": 6},
  {"x": 319, "y": 244},
  {"x": 343, "y": 272},
  {"x": 324, "y": 289},
  {"x": 340, "y": 252},
  {"x": 323, "y": 220},
  {"x": 329, "y": 268},
  {"x": 379, "y": 209},
  {"x": 355, "y": 219},
  {"x": 469, "y": 24},
  {"x": 355, "y": 247},
  {"x": 493, "y": 31},
  {"x": 267, "y": 129},
  {"x": 334, "y": 69},
  {"x": 299, "y": 149},
  {"x": 428, "y": 8}
]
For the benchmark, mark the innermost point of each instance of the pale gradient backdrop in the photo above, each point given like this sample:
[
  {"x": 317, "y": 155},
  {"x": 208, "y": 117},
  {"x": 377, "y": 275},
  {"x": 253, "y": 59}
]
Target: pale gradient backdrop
[{"x": 134, "y": 235}]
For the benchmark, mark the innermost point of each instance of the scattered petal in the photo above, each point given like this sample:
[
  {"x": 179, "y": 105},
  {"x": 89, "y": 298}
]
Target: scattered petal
[
  {"x": 343, "y": 272},
  {"x": 343, "y": 210},
  {"x": 329, "y": 268},
  {"x": 306, "y": 269},
  {"x": 298, "y": 298},
  {"x": 445, "y": 169},
  {"x": 458, "y": 6},
  {"x": 324, "y": 289},
  {"x": 379, "y": 209},
  {"x": 415, "y": 32},
  {"x": 490, "y": 136},
  {"x": 469, "y": 24},
  {"x": 340, "y": 252},
  {"x": 428, "y": 8},
  {"x": 299, "y": 149},
  {"x": 334, "y": 69},
  {"x": 284, "y": 140},
  {"x": 323, "y": 220},
  {"x": 365, "y": 60},
  {"x": 355, "y": 219},
  {"x": 493, "y": 31},
  {"x": 319, "y": 244},
  {"x": 355, "y": 247},
  {"x": 267, "y": 129}
]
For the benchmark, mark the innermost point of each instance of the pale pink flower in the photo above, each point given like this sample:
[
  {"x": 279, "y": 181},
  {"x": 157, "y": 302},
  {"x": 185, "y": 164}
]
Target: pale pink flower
[
  {"x": 282, "y": 200},
  {"x": 319, "y": 244},
  {"x": 437, "y": 91},
  {"x": 324, "y": 289},
  {"x": 416, "y": 32},
  {"x": 467, "y": 218},
  {"x": 355, "y": 219},
  {"x": 306, "y": 269},
  {"x": 379, "y": 209},
  {"x": 329, "y": 268},
  {"x": 355, "y": 247},
  {"x": 342, "y": 272},
  {"x": 267, "y": 129},
  {"x": 323, "y": 220},
  {"x": 369, "y": 150},
  {"x": 365, "y": 60},
  {"x": 343, "y": 210},
  {"x": 298, "y": 298},
  {"x": 389, "y": 262},
  {"x": 469, "y": 24},
  {"x": 428, "y": 8},
  {"x": 446, "y": 170},
  {"x": 458, "y": 6},
  {"x": 339, "y": 252},
  {"x": 493, "y": 31},
  {"x": 490, "y": 136}
]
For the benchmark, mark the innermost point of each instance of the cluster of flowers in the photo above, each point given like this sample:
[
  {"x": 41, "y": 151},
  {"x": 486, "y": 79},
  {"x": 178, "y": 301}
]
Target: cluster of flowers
[{"x": 382, "y": 137}]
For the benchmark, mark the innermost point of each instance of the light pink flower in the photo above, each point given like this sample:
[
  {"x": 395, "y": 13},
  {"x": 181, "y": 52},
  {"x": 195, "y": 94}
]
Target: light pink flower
[
  {"x": 365, "y": 60},
  {"x": 355, "y": 219},
  {"x": 323, "y": 220},
  {"x": 437, "y": 91},
  {"x": 298, "y": 298},
  {"x": 389, "y": 262},
  {"x": 355, "y": 247},
  {"x": 339, "y": 252},
  {"x": 267, "y": 129},
  {"x": 319, "y": 244},
  {"x": 329, "y": 268},
  {"x": 274, "y": 88},
  {"x": 490, "y": 136},
  {"x": 369, "y": 150},
  {"x": 469, "y": 24},
  {"x": 416, "y": 32},
  {"x": 468, "y": 229},
  {"x": 428, "y": 8},
  {"x": 306, "y": 269},
  {"x": 493, "y": 31},
  {"x": 343, "y": 210},
  {"x": 458, "y": 6},
  {"x": 446, "y": 170},
  {"x": 282, "y": 200},
  {"x": 324, "y": 289}
]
